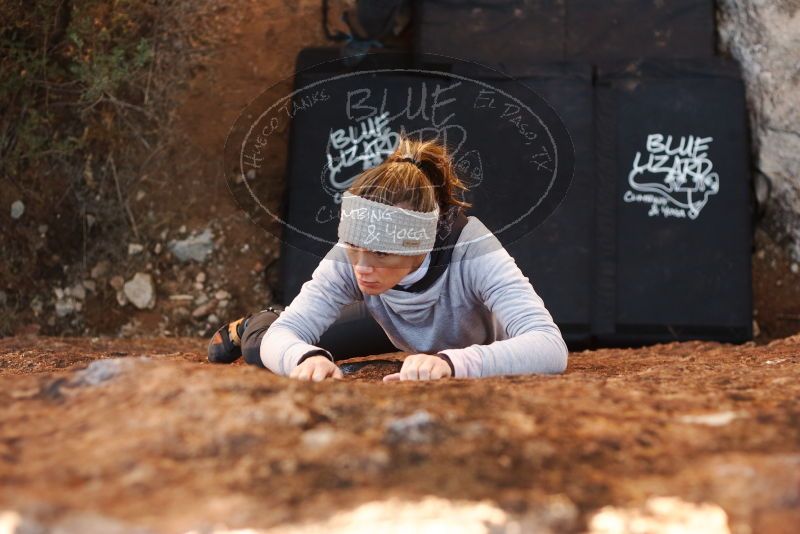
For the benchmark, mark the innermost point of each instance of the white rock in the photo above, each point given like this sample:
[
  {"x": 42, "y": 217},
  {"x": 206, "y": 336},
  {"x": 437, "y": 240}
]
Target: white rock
[
  {"x": 135, "y": 248},
  {"x": 65, "y": 307},
  {"x": 428, "y": 515},
  {"x": 17, "y": 209},
  {"x": 222, "y": 295},
  {"x": 319, "y": 438},
  {"x": 141, "y": 291},
  {"x": 711, "y": 419},
  {"x": 661, "y": 515}
]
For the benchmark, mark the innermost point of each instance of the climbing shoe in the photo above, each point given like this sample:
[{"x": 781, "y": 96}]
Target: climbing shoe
[{"x": 226, "y": 343}]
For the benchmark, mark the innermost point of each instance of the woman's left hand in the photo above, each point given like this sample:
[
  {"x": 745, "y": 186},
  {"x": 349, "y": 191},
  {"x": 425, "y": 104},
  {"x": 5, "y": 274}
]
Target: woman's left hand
[{"x": 421, "y": 367}]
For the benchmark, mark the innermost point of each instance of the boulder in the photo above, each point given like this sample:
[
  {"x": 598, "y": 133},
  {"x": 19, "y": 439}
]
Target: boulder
[{"x": 765, "y": 39}]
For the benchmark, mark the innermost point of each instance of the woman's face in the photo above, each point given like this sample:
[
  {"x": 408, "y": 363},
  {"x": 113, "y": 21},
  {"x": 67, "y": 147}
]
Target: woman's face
[{"x": 377, "y": 272}]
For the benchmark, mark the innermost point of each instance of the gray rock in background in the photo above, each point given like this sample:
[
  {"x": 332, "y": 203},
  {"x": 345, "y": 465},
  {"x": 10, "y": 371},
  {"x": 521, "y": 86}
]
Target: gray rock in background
[
  {"x": 140, "y": 291},
  {"x": 17, "y": 209},
  {"x": 65, "y": 307},
  {"x": 196, "y": 248},
  {"x": 765, "y": 38}
]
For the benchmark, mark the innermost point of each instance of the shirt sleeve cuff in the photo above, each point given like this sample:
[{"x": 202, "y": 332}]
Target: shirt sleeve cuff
[
  {"x": 299, "y": 351},
  {"x": 446, "y": 358},
  {"x": 315, "y": 352}
]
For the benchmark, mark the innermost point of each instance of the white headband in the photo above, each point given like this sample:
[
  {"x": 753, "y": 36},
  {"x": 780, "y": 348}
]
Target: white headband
[{"x": 384, "y": 228}]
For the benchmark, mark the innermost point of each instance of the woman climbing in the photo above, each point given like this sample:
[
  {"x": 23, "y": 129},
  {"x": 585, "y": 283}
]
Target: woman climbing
[{"x": 437, "y": 281}]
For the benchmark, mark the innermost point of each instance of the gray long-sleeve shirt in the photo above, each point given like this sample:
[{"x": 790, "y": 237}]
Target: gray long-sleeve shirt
[{"x": 482, "y": 312}]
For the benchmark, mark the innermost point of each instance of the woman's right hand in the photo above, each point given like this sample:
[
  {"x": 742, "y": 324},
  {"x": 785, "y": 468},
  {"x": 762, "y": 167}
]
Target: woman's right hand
[{"x": 316, "y": 368}]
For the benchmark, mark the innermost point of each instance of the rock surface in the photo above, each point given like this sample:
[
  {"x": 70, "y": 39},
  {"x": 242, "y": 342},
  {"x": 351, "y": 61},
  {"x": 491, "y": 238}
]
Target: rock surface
[
  {"x": 170, "y": 443},
  {"x": 765, "y": 39}
]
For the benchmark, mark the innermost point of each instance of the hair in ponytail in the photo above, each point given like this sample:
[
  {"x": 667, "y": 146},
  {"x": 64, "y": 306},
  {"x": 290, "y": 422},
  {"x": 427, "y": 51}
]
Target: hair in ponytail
[{"x": 422, "y": 185}]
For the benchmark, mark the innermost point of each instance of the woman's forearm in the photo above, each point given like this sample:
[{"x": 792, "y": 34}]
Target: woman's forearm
[{"x": 537, "y": 351}]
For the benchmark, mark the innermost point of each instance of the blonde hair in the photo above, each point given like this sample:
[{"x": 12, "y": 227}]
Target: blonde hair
[{"x": 428, "y": 181}]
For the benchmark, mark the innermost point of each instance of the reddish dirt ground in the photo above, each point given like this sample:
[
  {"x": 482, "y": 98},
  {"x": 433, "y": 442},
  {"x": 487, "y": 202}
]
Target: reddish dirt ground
[{"x": 173, "y": 443}]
